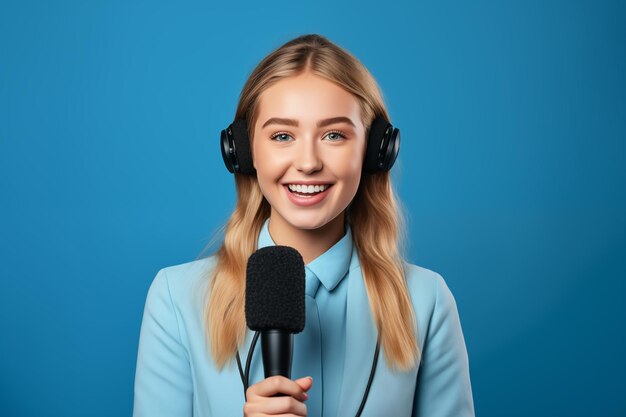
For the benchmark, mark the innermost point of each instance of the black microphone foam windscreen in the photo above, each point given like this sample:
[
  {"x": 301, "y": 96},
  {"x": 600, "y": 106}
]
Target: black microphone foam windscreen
[{"x": 275, "y": 289}]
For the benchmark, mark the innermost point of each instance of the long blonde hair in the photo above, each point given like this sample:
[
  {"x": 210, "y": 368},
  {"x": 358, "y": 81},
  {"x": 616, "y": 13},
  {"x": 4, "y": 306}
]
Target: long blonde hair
[{"x": 374, "y": 214}]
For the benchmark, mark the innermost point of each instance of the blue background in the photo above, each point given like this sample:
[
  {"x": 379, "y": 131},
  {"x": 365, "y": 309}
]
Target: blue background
[{"x": 512, "y": 170}]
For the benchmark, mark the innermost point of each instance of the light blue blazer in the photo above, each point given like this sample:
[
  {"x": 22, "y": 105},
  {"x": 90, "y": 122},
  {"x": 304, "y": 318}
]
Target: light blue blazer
[{"x": 176, "y": 377}]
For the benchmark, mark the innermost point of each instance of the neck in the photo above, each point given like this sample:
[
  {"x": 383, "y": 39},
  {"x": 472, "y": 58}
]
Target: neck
[{"x": 311, "y": 243}]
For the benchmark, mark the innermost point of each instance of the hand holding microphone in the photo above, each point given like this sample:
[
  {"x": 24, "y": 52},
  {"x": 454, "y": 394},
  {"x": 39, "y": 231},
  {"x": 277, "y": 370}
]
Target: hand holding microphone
[
  {"x": 275, "y": 306},
  {"x": 261, "y": 397}
]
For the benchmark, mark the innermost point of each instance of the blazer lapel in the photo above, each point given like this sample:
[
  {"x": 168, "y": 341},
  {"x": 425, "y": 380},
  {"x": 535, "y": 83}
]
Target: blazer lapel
[{"x": 361, "y": 337}]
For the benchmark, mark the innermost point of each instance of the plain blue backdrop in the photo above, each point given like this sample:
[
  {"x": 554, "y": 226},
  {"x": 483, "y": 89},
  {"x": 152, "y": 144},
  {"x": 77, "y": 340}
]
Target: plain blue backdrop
[{"x": 512, "y": 171}]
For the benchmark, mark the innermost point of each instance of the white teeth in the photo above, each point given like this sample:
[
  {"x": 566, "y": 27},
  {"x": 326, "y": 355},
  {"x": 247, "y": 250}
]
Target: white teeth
[{"x": 308, "y": 189}]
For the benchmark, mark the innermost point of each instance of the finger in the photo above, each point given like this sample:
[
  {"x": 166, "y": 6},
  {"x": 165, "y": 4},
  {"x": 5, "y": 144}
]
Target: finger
[
  {"x": 280, "y": 405},
  {"x": 277, "y": 385},
  {"x": 260, "y": 409},
  {"x": 305, "y": 383}
]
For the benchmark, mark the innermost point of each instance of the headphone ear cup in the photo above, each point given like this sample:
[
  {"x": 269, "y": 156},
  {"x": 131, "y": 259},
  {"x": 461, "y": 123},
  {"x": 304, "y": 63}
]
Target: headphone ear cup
[
  {"x": 391, "y": 149},
  {"x": 236, "y": 148},
  {"x": 228, "y": 150},
  {"x": 383, "y": 146},
  {"x": 374, "y": 142}
]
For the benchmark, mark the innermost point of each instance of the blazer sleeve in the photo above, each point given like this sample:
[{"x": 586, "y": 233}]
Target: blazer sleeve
[
  {"x": 443, "y": 383},
  {"x": 163, "y": 385}
]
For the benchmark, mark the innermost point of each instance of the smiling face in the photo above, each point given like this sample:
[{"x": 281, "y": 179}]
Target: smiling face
[{"x": 308, "y": 147}]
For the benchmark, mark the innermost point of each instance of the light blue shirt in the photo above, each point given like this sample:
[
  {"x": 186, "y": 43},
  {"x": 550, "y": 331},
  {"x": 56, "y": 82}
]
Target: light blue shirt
[{"x": 176, "y": 376}]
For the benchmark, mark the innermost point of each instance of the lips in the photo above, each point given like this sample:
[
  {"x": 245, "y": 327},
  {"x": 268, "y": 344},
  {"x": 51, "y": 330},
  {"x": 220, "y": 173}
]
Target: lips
[{"x": 305, "y": 200}]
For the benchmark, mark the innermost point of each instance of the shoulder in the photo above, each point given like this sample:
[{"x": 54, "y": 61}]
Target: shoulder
[
  {"x": 188, "y": 273},
  {"x": 181, "y": 284},
  {"x": 429, "y": 291},
  {"x": 425, "y": 284}
]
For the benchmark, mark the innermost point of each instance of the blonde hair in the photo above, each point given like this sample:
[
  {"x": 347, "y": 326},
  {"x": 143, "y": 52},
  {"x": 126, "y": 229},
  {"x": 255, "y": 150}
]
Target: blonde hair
[{"x": 374, "y": 214}]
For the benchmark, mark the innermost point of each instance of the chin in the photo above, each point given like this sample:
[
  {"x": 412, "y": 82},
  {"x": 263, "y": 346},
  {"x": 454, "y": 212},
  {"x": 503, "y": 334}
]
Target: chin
[
  {"x": 306, "y": 224},
  {"x": 308, "y": 221}
]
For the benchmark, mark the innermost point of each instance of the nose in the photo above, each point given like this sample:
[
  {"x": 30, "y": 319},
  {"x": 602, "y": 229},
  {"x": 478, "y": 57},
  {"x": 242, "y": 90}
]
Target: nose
[{"x": 307, "y": 159}]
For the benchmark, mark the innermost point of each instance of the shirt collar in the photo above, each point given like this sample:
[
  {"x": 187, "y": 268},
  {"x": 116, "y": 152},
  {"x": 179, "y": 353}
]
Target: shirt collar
[{"x": 331, "y": 266}]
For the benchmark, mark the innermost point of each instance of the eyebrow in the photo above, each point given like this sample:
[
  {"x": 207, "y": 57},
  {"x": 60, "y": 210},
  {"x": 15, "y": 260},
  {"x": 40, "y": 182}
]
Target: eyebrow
[{"x": 320, "y": 123}]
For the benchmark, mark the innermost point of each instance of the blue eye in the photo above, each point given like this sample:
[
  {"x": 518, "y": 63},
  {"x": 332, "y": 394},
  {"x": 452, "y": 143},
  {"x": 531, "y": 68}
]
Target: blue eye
[
  {"x": 335, "y": 136},
  {"x": 280, "y": 137}
]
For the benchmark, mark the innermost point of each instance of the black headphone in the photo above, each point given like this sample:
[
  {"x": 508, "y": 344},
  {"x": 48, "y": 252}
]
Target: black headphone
[{"x": 383, "y": 145}]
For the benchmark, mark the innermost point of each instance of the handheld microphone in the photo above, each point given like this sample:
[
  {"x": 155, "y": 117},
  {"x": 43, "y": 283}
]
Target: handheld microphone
[
  {"x": 274, "y": 304},
  {"x": 275, "y": 284}
]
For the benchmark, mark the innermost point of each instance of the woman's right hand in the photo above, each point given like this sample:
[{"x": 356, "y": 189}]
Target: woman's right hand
[{"x": 260, "y": 399}]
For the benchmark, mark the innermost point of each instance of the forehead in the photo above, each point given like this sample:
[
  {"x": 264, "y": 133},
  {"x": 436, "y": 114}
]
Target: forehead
[{"x": 307, "y": 97}]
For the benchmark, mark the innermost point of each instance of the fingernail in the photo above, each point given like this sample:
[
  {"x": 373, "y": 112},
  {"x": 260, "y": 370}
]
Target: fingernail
[{"x": 310, "y": 377}]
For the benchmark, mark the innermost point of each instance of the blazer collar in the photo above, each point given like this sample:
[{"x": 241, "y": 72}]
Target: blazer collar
[{"x": 331, "y": 266}]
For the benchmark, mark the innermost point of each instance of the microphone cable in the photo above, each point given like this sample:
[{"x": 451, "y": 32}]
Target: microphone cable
[{"x": 245, "y": 375}]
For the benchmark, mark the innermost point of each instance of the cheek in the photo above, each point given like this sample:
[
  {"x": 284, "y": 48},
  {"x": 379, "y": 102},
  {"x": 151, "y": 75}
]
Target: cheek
[
  {"x": 352, "y": 183},
  {"x": 265, "y": 163},
  {"x": 350, "y": 174},
  {"x": 270, "y": 168}
]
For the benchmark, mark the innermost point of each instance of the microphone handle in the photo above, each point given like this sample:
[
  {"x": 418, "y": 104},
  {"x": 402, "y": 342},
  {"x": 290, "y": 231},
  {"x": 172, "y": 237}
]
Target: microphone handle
[{"x": 277, "y": 349}]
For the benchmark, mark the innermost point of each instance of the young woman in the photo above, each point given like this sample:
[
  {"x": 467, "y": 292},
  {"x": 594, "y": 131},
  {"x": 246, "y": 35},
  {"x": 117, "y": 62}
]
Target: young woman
[{"x": 307, "y": 135}]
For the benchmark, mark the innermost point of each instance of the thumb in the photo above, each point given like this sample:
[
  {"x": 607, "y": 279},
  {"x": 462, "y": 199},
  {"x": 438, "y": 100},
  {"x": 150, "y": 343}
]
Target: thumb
[{"x": 305, "y": 383}]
